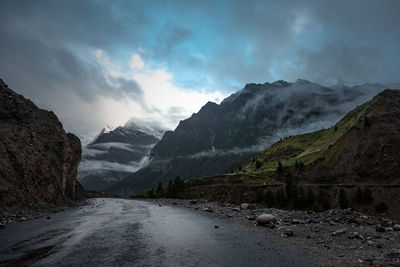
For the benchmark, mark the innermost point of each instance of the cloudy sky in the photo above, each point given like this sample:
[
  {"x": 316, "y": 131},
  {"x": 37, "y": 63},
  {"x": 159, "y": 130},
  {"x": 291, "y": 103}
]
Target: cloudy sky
[{"x": 102, "y": 62}]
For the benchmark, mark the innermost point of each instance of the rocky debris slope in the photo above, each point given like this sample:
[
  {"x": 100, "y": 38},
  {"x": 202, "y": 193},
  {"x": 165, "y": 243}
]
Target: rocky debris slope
[
  {"x": 38, "y": 159},
  {"x": 337, "y": 237}
]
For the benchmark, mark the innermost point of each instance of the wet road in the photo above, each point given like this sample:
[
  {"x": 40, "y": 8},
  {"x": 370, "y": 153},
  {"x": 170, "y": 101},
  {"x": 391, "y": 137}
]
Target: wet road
[{"x": 119, "y": 232}]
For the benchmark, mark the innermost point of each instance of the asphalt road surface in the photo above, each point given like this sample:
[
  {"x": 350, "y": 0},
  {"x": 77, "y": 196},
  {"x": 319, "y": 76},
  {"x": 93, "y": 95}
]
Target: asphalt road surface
[{"x": 120, "y": 232}]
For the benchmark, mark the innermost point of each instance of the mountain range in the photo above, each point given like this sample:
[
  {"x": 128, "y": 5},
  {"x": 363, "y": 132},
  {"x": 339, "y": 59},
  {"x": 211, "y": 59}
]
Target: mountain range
[
  {"x": 117, "y": 152},
  {"x": 355, "y": 163},
  {"x": 221, "y": 137}
]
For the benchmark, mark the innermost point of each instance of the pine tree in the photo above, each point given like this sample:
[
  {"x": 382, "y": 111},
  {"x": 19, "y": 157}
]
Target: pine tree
[
  {"x": 300, "y": 199},
  {"x": 169, "y": 189},
  {"x": 280, "y": 167},
  {"x": 291, "y": 186},
  {"x": 323, "y": 200},
  {"x": 301, "y": 165},
  {"x": 150, "y": 193},
  {"x": 258, "y": 164},
  {"x": 280, "y": 196},
  {"x": 359, "y": 195},
  {"x": 174, "y": 190},
  {"x": 159, "y": 190},
  {"x": 179, "y": 185},
  {"x": 343, "y": 200},
  {"x": 367, "y": 121},
  {"x": 317, "y": 206},
  {"x": 269, "y": 198},
  {"x": 310, "y": 196},
  {"x": 367, "y": 195},
  {"x": 260, "y": 196},
  {"x": 381, "y": 207}
]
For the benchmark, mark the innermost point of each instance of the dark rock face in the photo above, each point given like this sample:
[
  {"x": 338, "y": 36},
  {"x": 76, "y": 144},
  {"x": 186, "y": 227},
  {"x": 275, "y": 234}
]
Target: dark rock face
[{"x": 38, "y": 159}]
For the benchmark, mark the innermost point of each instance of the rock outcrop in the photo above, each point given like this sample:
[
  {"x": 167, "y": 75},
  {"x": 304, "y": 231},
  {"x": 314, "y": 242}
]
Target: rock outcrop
[{"x": 38, "y": 159}]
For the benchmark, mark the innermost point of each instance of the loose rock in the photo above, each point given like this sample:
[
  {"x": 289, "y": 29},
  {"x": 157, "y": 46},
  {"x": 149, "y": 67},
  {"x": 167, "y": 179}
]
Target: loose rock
[
  {"x": 395, "y": 252},
  {"x": 244, "y": 206},
  {"x": 208, "y": 209},
  {"x": 297, "y": 221},
  {"x": 287, "y": 232},
  {"x": 264, "y": 219},
  {"x": 250, "y": 217},
  {"x": 339, "y": 232}
]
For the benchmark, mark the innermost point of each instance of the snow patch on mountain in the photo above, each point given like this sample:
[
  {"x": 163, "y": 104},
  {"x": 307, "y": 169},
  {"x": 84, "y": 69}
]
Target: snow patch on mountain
[
  {"x": 150, "y": 127},
  {"x": 117, "y": 152}
]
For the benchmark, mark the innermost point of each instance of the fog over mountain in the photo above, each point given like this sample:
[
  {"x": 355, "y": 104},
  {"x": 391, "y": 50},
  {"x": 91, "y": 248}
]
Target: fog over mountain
[
  {"x": 219, "y": 138},
  {"x": 117, "y": 152}
]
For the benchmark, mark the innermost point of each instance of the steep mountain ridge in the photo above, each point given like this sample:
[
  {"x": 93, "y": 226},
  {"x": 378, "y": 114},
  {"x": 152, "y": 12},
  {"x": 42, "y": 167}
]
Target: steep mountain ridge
[
  {"x": 219, "y": 138},
  {"x": 116, "y": 153}
]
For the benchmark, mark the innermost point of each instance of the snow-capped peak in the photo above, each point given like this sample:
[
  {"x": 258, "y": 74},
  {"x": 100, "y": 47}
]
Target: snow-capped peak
[
  {"x": 108, "y": 128},
  {"x": 150, "y": 127}
]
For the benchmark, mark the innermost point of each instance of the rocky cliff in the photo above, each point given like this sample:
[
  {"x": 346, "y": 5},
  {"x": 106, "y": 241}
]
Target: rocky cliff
[{"x": 38, "y": 159}]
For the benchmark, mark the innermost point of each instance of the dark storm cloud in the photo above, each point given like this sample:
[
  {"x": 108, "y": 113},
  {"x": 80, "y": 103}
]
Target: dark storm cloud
[
  {"x": 39, "y": 58},
  {"x": 267, "y": 40},
  {"x": 169, "y": 37},
  {"x": 349, "y": 41},
  {"x": 45, "y": 45},
  {"x": 35, "y": 41},
  {"x": 91, "y": 22},
  {"x": 341, "y": 64}
]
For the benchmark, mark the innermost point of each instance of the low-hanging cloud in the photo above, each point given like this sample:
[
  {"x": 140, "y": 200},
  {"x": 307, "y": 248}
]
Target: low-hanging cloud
[
  {"x": 298, "y": 108},
  {"x": 99, "y": 166},
  {"x": 122, "y": 146}
]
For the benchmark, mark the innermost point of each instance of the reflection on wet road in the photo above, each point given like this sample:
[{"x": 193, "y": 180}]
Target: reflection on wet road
[{"x": 119, "y": 232}]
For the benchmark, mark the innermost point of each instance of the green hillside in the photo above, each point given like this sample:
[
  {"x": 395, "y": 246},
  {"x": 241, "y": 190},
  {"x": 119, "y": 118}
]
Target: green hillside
[{"x": 307, "y": 148}]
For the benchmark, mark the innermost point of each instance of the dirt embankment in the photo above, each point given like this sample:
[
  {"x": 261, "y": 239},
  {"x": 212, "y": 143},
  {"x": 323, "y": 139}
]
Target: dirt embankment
[{"x": 241, "y": 188}]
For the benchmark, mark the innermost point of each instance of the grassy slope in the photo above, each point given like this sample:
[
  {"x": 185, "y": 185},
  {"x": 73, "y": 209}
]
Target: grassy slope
[{"x": 308, "y": 147}]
